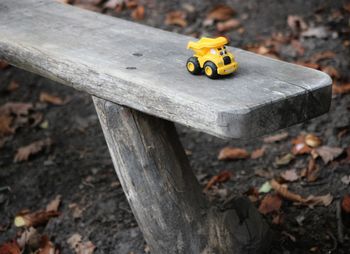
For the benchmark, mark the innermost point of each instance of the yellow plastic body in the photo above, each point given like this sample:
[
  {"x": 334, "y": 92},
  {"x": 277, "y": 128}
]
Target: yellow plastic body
[{"x": 214, "y": 50}]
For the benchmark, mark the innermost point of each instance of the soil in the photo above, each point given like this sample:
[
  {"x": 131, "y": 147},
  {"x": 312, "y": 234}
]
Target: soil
[{"x": 78, "y": 166}]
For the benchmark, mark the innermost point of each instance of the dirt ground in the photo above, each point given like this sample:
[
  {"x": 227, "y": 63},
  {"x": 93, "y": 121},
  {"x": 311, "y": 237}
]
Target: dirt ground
[{"x": 78, "y": 167}]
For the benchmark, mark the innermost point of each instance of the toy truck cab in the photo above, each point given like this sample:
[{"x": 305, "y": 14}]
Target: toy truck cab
[{"x": 211, "y": 56}]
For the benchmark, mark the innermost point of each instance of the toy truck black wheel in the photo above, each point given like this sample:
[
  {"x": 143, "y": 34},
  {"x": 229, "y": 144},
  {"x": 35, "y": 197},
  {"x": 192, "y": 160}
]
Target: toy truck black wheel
[
  {"x": 211, "y": 70},
  {"x": 193, "y": 65}
]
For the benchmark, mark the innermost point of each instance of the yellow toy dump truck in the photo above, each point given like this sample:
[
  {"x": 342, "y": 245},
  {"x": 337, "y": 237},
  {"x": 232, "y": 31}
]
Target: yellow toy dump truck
[{"x": 211, "y": 56}]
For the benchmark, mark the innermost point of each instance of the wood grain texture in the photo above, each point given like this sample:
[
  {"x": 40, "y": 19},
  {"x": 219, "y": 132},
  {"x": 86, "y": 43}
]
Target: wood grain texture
[
  {"x": 164, "y": 194},
  {"x": 144, "y": 68}
]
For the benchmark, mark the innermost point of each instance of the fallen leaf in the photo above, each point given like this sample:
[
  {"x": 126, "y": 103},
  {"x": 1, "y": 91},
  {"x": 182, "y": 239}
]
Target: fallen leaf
[
  {"x": 138, "y": 13},
  {"x": 75, "y": 243},
  {"x": 3, "y": 64},
  {"x": 311, "y": 200},
  {"x": 322, "y": 56},
  {"x": 28, "y": 219},
  {"x": 312, "y": 140},
  {"x": 46, "y": 246},
  {"x": 177, "y": 18},
  {"x": 296, "y": 23},
  {"x": 345, "y": 204},
  {"x": 10, "y": 248},
  {"x": 308, "y": 64},
  {"x": 16, "y": 108},
  {"x": 313, "y": 170},
  {"x": 278, "y": 219},
  {"x": 113, "y": 4},
  {"x": 265, "y": 173},
  {"x": 24, "y": 152},
  {"x": 223, "y": 176},
  {"x": 131, "y": 4},
  {"x": 30, "y": 238},
  {"x": 220, "y": 13},
  {"x": 258, "y": 153},
  {"x": 296, "y": 44},
  {"x": 228, "y": 25},
  {"x": 341, "y": 89},
  {"x": 270, "y": 203},
  {"x": 52, "y": 99},
  {"x": 265, "y": 188},
  {"x": 331, "y": 71},
  {"x": 232, "y": 153},
  {"x": 284, "y": 160},
  {"x": 329, "y": 153},
  {"x": 77, "y": 212},
  {"x": 319, "y": 32},
  {"x": 54, "y": 204},
  {"x": 290, "y": 175},
  {"x": 276, "y": 138}
]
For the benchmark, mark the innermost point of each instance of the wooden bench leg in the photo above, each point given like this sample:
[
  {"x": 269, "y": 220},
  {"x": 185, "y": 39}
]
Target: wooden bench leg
[{"x": 164, "y": 194}]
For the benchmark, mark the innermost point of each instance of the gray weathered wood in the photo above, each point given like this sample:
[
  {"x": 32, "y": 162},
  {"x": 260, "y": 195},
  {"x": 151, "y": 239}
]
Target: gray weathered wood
[
  {"x": 144, "y": 68},
  {"x": 164, "y": 194}
]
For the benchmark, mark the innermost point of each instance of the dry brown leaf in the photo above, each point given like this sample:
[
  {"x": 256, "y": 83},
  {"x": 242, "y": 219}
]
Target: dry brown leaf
[
  {"x": 138, "y": 13},
  {"x": 322, "y": 56},
  {"x": 79, "y": 247},
  {"x": 24, "y": 152},
  {"x": 221, "y": 13},
  {"x": 312, "y": 140},
  {"x": 296, "y": 23},
  {"x": 5, "y": 125},
  {"x": 16, "y": 108},
  {"x": 30, "y": 238},
  {"x": 177, "y": 18},
  {"x": 308, "y": 64},
  {"x": 28, "y": 219},
  {"x": 290, "y": 175},
  {"x": 46, "y": 246},
  {"x": 270, "y": 203},
  {"x": 113, "y": 4},
  {"x": 285, "y": 193},
  {"x": 278, "y": 219},
  {"x": 77, "y": 211},
  {"x": 232, "y": 153},
  {"x": 258, "y": 153},
  {"x": 311, "y": 201},
  {"x": 276, "y": 138},
  {"x": 52, "y": 99},
  {"x": 329, "y": 153},
  {"x": 223, "y": 176},
  {"x": 10, "y": 248},
  {"x": 265, "y": 173},
  {"x": 54, "y": 204},
  {"x": 313, "y": 170},
  {"x": 331, "y": 71},
  {"x": 228, "y": 25},
  {"x": 341, "y": 89},
  {"x": 131, "y": 4},
  {"x": 345, "y": 204},
  {"x": 3, "y": 64}
]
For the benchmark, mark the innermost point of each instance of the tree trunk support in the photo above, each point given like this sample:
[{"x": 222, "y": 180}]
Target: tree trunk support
[{"x": 164, "y": 194}]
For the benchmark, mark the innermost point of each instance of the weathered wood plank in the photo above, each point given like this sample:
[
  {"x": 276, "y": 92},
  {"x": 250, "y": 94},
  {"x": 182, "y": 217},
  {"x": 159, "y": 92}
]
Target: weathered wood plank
[
  {"x": 94, "y": 53},
  {"x": 164, "y": 194}
]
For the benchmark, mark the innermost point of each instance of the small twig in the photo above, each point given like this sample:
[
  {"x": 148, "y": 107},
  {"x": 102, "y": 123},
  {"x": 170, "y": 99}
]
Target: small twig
[
  {"x": 339, "y": 222},
  {"x": 335, "y": 243},
  {"x": 312, "y": 184}
]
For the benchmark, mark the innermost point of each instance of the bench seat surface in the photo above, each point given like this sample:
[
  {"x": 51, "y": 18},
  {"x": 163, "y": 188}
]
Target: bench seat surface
[{"x": 144, "y": 68}]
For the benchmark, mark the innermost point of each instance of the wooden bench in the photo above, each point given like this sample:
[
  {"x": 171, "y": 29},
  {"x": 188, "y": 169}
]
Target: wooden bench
[{"x": 140, "y": 86}]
